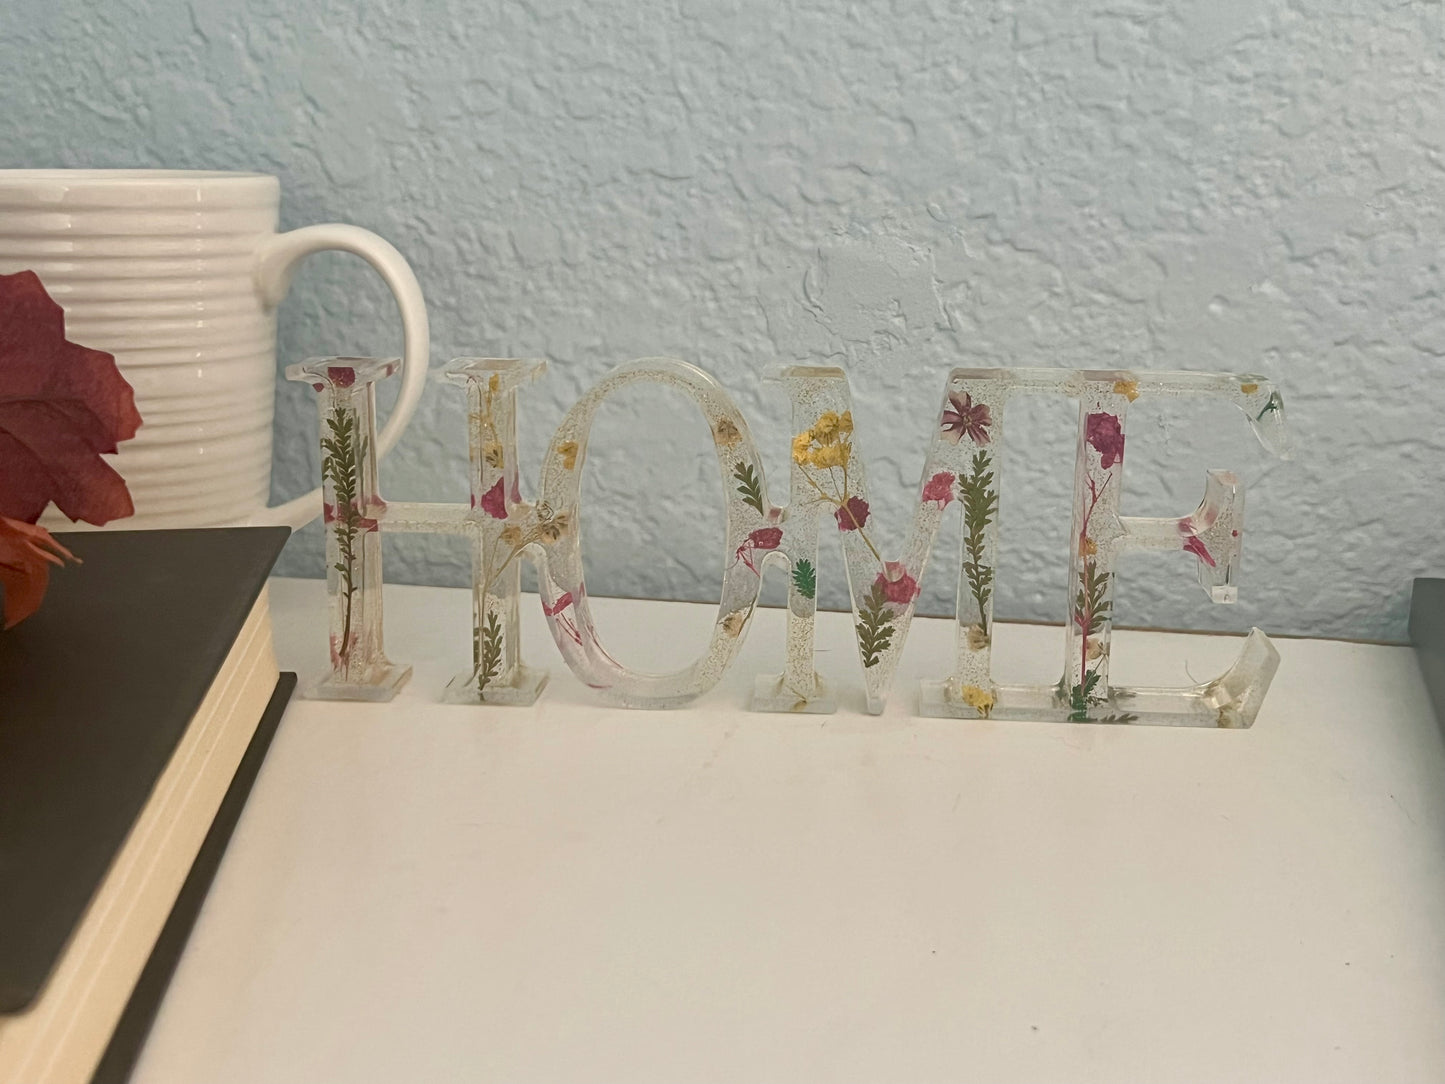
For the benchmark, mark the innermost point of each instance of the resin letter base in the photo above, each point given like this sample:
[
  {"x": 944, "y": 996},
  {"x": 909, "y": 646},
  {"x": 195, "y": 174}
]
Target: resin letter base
[{"x": 827, "y": 486}]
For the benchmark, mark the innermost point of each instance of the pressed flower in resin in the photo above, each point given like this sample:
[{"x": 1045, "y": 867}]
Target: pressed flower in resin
[{"x": 962, "y": 417}]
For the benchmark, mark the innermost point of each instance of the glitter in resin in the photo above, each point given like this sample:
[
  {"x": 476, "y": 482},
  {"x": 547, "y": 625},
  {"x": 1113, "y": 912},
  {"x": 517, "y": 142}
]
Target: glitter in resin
[{"x": 827, "y": 487}]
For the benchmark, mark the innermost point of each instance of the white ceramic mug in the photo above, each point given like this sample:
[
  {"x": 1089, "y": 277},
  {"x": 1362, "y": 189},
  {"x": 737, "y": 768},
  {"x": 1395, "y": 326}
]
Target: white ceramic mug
[{"x": 178, "y": 274}]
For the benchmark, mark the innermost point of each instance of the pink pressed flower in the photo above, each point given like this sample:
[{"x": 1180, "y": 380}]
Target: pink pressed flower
[
  {"x": 896, "y": 584},
  {"x": 1105, "y": 437},
  {"x": 764, "y": 538},
  {"x": 1196, "y": 547},
  {"x": 329, "y": 514},
  {"x": 852, "y": 515},
  {"x": 564, "y": 624},
  {"x": 965, "y": 418},
  {"x": 342, "y": 376},
  {"x": 494, "y": 501},
  {"x": 939, "y": 488}
]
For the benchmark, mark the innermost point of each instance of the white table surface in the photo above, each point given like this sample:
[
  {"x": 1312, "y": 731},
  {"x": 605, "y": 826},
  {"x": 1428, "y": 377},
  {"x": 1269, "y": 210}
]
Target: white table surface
[{"x": 570, "y": 892}]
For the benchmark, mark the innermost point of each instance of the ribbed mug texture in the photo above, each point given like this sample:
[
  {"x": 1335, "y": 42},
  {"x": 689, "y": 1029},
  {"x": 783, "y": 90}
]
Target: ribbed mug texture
[{"x": 159, "y": 269}]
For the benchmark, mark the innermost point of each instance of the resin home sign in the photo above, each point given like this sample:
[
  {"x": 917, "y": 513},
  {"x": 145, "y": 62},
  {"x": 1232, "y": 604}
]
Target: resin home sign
[{"x": 827, "y": 487}]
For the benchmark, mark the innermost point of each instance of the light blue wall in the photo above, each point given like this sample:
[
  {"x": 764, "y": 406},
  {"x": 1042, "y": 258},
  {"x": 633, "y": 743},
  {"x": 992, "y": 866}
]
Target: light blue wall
[{"x": 897, "y": 187}]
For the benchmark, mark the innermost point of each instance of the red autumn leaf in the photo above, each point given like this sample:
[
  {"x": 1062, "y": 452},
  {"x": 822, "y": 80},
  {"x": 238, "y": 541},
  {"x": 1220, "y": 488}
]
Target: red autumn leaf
[
  {"x": 26, "y": 554},
  {"x": 61, "y": 406}
]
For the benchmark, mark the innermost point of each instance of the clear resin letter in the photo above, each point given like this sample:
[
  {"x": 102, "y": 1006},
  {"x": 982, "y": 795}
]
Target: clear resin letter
[
  {"x": 830, "y": 479},
  {"x": 353, "y": 510},
  {"x": 501, "y": 529},
  {"x": 1211, "y": 534},
  {"x": 753, "y": 535}
]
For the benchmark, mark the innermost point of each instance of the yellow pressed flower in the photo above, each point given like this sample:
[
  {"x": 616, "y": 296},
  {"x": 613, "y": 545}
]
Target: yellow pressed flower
[
  {"x": 801, "y": 444},
  {"x": 568, "y": 451},
  {"x": 826, "y": 428},
  {"x": 1091, "y": 548},
  {"x": 829, "y": 455},
  {"x": 492, "y": 453},
  {"x": 976, "y": 638},
  {"x": 511, "y": 534},
  {"x": 1249, "y": 389},
  {"x": 1129, "y": 389},
  {"x": 980, "y": 700},
  {"x": 734, "y": 623},
  {"x": 845, "y": 422},
  {"x": 494, "y": 383}
]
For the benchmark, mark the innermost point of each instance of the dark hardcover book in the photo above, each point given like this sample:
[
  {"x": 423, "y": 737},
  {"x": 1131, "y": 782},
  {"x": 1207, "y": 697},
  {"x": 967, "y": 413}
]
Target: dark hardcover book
[
  {"x": 1427, "y": 633},
  {"x": 145, "y": 1000},
  {"x": 97, "y": 690}
]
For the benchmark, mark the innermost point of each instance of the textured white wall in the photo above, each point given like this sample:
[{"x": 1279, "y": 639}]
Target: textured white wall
[{"x": 1239, "y": 184}]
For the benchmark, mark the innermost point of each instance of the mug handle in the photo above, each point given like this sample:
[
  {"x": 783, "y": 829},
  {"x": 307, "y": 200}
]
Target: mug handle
[{"x": 276, "y": 263}]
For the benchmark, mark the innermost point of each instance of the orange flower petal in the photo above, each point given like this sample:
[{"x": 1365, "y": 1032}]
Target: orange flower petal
[{"x": 26, "y": 554}]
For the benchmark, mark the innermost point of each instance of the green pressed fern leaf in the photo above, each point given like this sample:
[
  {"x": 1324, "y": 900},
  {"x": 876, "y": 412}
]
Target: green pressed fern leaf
[
  {"x": 805, "y": 578},
  {"x": 1091, "y": 607},
  {"x": 1080, "y": 697},
  {"x": 875, "y": 626},
  {"x": 980, "y": 508},
  {"x": 750, "y": 487},
  {"x": 489, "y": 664},
  {"x": 342, "y": 451}
]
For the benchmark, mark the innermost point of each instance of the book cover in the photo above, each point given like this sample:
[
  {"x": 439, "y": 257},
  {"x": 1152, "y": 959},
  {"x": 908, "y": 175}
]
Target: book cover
[{"x": 96, "y": 692}]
